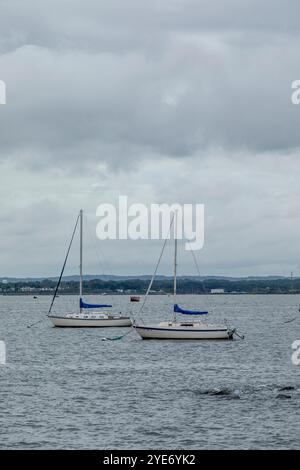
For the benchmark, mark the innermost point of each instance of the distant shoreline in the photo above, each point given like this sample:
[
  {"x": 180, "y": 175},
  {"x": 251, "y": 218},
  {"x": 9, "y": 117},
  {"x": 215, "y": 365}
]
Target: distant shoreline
[
  {"x": 161, "y": 285},
  {"x": 42, "y": 294}
]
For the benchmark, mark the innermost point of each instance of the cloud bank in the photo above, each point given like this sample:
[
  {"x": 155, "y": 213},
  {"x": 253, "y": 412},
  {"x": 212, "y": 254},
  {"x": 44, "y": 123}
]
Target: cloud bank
[{"x": 175, "y": 101}]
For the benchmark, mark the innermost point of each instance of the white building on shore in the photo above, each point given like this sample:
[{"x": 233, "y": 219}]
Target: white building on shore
[{"x": 217, "y": 291}]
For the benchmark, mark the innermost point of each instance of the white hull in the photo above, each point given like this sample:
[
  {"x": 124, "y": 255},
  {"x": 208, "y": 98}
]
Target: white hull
[
  {"x": 179, "y": 331},
  {"x": 90, "y": 322}
]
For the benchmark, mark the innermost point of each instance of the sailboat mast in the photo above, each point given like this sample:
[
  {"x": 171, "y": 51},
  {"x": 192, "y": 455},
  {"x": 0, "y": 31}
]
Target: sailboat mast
[
  {"x": 175, "y": 264},
  {"x": 80, "y": 265}
]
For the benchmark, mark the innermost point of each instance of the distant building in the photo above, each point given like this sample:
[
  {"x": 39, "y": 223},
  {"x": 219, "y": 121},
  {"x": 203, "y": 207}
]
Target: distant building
[
  {"x": 217, "y": 291},
  {"x": 27, "y": 289}
]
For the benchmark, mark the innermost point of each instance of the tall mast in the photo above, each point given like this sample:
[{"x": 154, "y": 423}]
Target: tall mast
[
  {"x": 80, "y": 265},
  {"x": 175, "y": 263}
]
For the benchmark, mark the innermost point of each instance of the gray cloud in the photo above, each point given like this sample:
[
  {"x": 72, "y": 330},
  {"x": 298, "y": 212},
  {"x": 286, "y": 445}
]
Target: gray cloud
[
  {"x": 119, "y": 26},
  {"x": 163, "y": 101}
]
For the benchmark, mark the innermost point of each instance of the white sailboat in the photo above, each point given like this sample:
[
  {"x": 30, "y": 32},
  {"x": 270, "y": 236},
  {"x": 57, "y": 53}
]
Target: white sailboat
[
  {"x": 181, "y": 329},
  {"x": 88, "y": 315}
]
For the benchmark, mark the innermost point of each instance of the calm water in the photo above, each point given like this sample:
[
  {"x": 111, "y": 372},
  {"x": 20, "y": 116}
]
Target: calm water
[{"x": 68, "y": 389}]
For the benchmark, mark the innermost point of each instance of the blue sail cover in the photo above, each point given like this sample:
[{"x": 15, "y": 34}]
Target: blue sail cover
[
  {"x": 177, "y": 309},
  {"x": 84, "y": 305}
]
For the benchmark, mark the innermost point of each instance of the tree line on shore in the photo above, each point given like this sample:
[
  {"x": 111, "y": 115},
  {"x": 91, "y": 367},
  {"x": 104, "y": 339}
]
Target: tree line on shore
[{"x": 139, "y": 286}]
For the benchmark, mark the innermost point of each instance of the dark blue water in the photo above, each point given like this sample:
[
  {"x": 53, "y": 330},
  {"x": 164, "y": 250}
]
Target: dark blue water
[{"x": 67, "y": 389}]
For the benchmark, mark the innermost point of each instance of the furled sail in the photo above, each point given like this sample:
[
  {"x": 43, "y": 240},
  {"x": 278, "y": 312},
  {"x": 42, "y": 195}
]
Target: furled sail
[
  {"x": 177, "y": 309},
  {"x": 84, "y": 305}
]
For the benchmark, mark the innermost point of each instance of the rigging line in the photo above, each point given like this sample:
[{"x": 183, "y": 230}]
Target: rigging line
[
  {"x": 194, "y": 258},
  {"x": 113, "y": 338},
  {"x": 101, "y": 264},
  {"x": 96, "y": 250},
  {"x": 41, "y": 319},
  {"x": 156, "y": 268},
  {"x": 196, "y": 264},
  {"x": 64, "y": 265},
  {"x": 290, "y": 321}
]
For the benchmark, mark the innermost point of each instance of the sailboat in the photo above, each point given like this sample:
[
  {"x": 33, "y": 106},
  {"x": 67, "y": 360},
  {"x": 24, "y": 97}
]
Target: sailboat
[
  {"x": 87, "y": 315},
  {"x": 183, "y": 330}
]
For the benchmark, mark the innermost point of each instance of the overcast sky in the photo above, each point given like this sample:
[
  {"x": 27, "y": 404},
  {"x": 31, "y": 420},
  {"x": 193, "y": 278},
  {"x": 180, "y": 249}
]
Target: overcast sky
[{"x": 166, "y": 101}]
